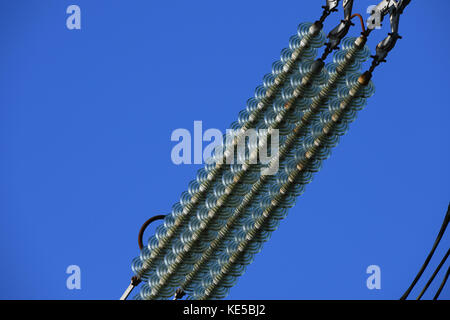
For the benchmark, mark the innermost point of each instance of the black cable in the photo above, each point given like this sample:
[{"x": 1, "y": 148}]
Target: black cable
[
  {"x": 136, "y": 280},
  {"x": 434, "y": 274},
  {"x": 425, "y": 264},
  {"x": 442, "y": 284},
  {"x": 144, "y": 226}
]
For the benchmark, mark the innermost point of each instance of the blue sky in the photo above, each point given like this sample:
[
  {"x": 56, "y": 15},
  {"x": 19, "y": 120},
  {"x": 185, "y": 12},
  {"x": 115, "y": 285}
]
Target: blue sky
[{"x": 87, "y": 115}]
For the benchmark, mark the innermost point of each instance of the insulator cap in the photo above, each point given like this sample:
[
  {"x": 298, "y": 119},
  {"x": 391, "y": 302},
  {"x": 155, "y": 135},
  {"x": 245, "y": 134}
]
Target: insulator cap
[
  {"x": 317, "y": 66},
  {"x": 135, "y": 280},
  {"x": 315, "y": 28},
  {"x": 361, "y": 41},
  {"x": 364, "y": 79}
]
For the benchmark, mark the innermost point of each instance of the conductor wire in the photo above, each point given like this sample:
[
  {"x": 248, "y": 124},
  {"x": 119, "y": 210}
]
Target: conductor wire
[
  {"x": 135, "y": 280},
  {"x": 363, "y": 27},
  {"x": 144, "y": 226},
  {"x": 434, "y": 274},
  {"x": 430, "y": 255},
  {"x": 442, "y": 284}
]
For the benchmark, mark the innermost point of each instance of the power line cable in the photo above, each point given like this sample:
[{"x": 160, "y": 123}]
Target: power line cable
[
  {"x": 442, "y": 284},
  {"x": 430, "y": 255},
  {"x": 434, "y": 274},
  {"x": 135, "y": 280}
]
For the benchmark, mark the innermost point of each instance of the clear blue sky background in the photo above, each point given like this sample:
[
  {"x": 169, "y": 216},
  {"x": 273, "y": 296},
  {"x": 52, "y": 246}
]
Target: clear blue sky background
[{"x": 86, "y": 118}]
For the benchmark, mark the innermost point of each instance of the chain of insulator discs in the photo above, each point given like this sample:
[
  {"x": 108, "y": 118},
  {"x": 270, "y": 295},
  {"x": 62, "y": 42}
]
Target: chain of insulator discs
[
  {"x": 227, "y": 193},
  {"x": 301, "y": 47},
  {"x": 297, "y": 95},
  {"x": 267, "y": 189},
  {"x": 312, "y": 148},
  {"x": 264, "y": 187},
  {"x": 209, "y": 238}
]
